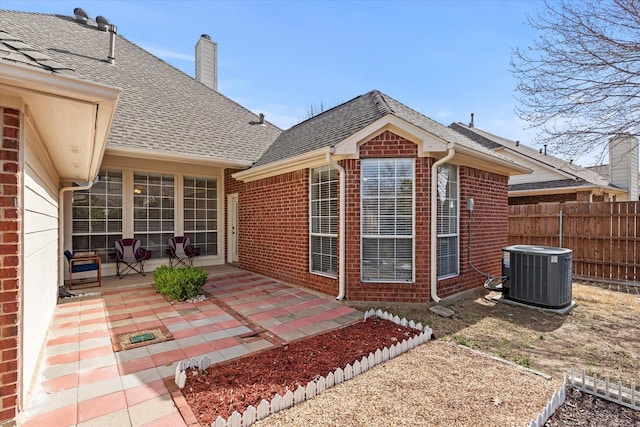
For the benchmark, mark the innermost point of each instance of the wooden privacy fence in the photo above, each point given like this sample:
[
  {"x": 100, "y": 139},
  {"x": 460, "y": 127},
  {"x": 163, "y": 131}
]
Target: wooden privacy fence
[{"x": 604, "y": 236}]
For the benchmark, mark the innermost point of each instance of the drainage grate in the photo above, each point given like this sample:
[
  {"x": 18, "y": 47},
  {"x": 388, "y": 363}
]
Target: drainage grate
[{"x": 135, "y": 339}]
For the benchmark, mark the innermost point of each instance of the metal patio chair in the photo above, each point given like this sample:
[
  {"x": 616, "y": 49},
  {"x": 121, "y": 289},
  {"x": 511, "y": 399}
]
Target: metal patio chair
[
  {"x": 129, "y": 253},
  {"x": 181, "y": 252}
]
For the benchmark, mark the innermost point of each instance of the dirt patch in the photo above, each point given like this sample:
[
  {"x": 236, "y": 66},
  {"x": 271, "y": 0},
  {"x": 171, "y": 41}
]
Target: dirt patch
[
  {"x": 600, "y": 334},
  {"x": 222, "y": 389},
  {"x": 583, "y": 409}
]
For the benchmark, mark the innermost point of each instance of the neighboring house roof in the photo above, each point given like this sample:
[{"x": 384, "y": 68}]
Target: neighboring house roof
[
  {"x": 162, "y": 110},
  {"x": 568, "y": 174},
  {"x": 333, "y": 126}
]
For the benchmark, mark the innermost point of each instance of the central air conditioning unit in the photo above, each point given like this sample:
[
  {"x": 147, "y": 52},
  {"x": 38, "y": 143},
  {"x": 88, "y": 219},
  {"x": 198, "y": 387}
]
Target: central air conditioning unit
[{"x": 537, "y": 275}]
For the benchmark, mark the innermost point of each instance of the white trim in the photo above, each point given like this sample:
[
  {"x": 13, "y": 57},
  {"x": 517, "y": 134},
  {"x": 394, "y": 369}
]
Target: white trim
[
  {"x": 231, "y": 256},
  {"x": 25, "y": 77},
  {"x": 175, "y": 157},
  {"x": 426, "y": 142},
  {"x": 291, "y": 164}
]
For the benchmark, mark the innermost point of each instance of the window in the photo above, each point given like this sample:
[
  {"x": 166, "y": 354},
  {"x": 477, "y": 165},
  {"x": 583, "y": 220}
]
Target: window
[
  {"x": 201, "y": 213},
  {"x": 323, "y": 200},
  {"x": 97, "y": 215},
  {"x": 387, "y": 220},
  {"x": 448, "y": 219},
  {"x": 153, "y": 211}
]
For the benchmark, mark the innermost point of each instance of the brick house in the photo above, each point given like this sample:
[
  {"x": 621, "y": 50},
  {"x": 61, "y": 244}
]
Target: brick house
[
  {"x": 557, "y": 180},
  {"x": 363, "y": 200},
  {"x": 102, "y": 140}
]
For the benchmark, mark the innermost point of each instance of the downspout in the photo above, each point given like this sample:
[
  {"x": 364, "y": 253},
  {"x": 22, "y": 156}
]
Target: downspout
[
  {"x": 61, "y": 225},
  {"x": 434, "y": 220},
  {"x": 341, "y": 225}
]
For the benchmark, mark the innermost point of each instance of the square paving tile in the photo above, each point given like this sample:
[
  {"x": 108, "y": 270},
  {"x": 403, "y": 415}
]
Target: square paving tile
[
  {"x": 99, "y": 406},
  {"x": 151, "y": 410},
  {"x": 100, "y": 388}
]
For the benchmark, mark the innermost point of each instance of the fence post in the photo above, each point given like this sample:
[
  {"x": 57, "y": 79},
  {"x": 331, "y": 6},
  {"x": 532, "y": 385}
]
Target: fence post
[{"x": 560, "y": 237}]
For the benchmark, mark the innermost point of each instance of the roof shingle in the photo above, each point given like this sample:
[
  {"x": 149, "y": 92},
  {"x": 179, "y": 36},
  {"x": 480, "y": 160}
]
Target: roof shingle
[{"x": 161, "y": 108}]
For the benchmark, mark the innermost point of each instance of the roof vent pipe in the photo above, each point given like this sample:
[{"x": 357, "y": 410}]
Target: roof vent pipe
[
  {"x": 80, "y": 15},
  {"x": 113, "y": 30},
  {"x": 545, "y": 149},
  {"x": 471, "y": 122},
  {"x": 103, "y": 23},
  {"x": 261, "y": 115}
]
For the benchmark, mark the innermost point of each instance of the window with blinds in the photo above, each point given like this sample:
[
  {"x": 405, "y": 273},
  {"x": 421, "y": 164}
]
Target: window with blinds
[
  {"x": 387, "y": 234},
  {"x": 448, "y": 221},
  {"x": 323, "y": 200}
]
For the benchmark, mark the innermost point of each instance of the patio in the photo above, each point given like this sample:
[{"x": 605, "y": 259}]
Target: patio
[{"x": 84, "y": 379}]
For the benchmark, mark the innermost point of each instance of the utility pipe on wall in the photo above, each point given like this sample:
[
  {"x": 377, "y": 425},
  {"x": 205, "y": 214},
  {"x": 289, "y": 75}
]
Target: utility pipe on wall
[
  {"x": 341, "y": 225},
  {"x": 434, "y": 220},
  {"x": 61, "y": 225}
]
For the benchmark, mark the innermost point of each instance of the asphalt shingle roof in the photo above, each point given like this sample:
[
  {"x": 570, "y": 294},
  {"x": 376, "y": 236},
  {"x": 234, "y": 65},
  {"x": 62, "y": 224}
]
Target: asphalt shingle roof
[
  {"x": 583, "y": 176},
  {"x": 161, "y": 108},
  {"x": 335, "y": 125}
]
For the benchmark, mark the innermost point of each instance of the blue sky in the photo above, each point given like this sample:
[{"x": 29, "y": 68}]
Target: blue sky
[{"x": 445, "y": 59}]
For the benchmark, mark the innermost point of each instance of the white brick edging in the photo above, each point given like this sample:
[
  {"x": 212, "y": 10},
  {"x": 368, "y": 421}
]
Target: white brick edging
[
  {"x": 317, "y": 386},
  {"x": 556, "y": 401}
]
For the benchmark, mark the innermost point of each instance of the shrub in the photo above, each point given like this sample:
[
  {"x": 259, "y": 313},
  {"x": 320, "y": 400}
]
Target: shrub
[{"x": 180, "y": 283}]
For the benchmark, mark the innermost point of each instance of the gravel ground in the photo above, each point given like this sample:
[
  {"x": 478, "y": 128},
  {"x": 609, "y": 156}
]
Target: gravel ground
[{"x": 438, "y": 383}]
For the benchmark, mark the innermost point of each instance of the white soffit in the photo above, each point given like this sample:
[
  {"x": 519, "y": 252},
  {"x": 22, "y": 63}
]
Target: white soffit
[{"x": 72, "y": 116}]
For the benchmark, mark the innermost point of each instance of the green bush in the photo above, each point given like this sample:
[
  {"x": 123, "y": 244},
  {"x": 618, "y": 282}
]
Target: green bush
[{"x": 180, "y": 283}]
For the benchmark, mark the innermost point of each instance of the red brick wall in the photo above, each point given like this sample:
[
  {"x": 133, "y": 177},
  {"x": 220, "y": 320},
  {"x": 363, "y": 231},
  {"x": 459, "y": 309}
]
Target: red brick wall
[
  {"x": 10, "y": 225},
  {"x": 274, "y": 228}
]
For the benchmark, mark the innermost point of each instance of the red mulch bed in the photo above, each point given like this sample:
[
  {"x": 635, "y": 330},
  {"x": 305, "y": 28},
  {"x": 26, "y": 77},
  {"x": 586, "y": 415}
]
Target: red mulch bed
[{"x": 233, "y": 386}]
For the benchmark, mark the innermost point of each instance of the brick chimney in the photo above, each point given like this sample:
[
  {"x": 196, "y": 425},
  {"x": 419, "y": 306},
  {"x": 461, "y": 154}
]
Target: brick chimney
[
  {"x": 623, "y": 164},
  {"x": 207, "y": 61}
]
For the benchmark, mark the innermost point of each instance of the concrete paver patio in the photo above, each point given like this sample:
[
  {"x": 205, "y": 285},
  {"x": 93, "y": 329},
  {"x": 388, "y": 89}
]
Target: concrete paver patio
[{"x": 84, "y": 381}]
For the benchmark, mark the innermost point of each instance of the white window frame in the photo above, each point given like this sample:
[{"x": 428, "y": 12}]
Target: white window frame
[
  {"x": 109, "y": 234},
  {"x": 449, "y": 235},
  {"x": 382, "y": 236},
  {"x": 191, "y": 232},
  {"x": 333, "y": 220},
  {"x": 158, "y": 251},
  {"x": 128, "y": 169}
]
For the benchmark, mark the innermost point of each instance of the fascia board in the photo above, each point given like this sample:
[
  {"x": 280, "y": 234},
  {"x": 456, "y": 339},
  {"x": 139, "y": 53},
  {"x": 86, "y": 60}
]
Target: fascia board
[
  {"x": 536, "y": 161},
  {"x": 562, "y": 190},
  {"x": 491, "y": 163},
  {"x": 303, "y": 161},
  {"x": 173, "y": 157},
  {"x": 31, "y": 78}
]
